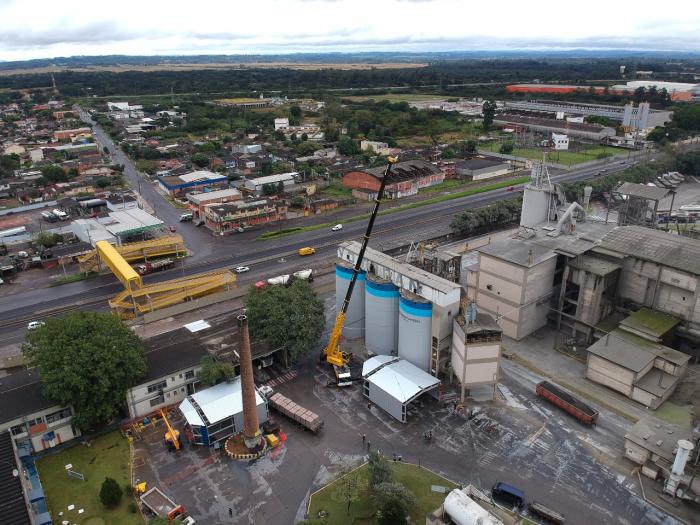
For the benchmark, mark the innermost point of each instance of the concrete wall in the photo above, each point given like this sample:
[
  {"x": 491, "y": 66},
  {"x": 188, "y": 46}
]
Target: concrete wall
[
  {"x": 609, "y": 374},
  {"x": 139, "y": 399},
  {"x": 635, "y": 453},
  {"x": 62, "y": 428}
]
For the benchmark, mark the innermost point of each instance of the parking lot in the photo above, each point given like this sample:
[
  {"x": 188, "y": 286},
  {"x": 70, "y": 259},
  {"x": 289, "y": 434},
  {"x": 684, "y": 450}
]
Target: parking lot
[{"x": 517, "y": 439}]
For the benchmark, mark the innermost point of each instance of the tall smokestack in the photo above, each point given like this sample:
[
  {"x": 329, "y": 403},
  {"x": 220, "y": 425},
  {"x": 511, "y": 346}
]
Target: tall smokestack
[{"x": 251, "y": 425}]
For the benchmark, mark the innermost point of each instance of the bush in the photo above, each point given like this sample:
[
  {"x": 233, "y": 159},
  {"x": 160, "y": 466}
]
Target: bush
[
  {"x": 393, "y": 513},
  {"x": 110, "y": 493},
  {"x": 133, "y": 509},
  {"x": 384, "y": 492}
]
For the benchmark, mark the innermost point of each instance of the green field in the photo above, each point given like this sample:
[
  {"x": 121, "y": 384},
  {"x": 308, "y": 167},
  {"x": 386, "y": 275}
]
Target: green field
[
  {"x": 560, "y": 157},
  {"x": 108, "y": 455},
  {"x": 398, "y": 97},
  {"x": 336, "y": 190},
  {"x": 417, "y": 480}
]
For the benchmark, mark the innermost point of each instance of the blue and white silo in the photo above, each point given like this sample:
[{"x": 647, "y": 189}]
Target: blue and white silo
[
  {"x": 355, "y": 316},
  {"x": 415, "y": 329},
  {"x": 381, "y": 316}
]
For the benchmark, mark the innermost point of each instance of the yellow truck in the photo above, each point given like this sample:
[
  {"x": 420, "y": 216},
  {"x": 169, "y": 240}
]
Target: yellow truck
[{"x": 307, "y": 251}]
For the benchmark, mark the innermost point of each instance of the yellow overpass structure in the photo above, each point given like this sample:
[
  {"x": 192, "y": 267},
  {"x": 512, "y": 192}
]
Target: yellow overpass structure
[
  {"x": 138, "y": 251},
  {"x": 138, "y": 298},
  {"x": 120, "y": 268}
]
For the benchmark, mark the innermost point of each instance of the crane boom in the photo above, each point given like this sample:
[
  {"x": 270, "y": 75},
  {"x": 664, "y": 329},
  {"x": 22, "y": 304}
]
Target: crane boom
[{"x": 332, "y": 352}]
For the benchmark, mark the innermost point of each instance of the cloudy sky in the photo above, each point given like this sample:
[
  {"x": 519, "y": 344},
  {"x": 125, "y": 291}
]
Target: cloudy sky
[{"x": 38, "y": 28}]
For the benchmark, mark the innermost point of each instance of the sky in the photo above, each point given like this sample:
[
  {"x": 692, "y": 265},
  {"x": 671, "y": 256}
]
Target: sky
[{"x": 45, "y": 29}]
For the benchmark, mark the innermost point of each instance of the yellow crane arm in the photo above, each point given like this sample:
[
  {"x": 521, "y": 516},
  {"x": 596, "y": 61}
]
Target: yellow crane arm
[
  {"x": 173, "y": 433},
  {"x": 333, "y": 354}
]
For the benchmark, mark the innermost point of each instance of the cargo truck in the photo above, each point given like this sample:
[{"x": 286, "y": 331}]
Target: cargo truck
[
  {"x": 567, "y": 402},
  {"x": 161, "y": 505},
  {"x": 155, "y": 266},
  {"x": 295, "y": 412}
]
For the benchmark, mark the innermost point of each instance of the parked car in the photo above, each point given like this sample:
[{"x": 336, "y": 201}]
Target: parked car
[
  {"x": 33, "y": 325},
  {"x": 337, "y": 227},
  {"x": 186, "y": 217},
  {"x": 242, "y": 269}
]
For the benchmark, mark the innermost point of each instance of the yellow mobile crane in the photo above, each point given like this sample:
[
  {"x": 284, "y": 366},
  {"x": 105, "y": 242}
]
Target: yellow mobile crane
[{"x": 332, "y": 353}]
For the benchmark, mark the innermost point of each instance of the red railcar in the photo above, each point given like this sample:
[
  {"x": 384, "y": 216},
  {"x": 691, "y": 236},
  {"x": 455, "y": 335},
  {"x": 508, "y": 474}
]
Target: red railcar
[{"x": 567, "y": 402}]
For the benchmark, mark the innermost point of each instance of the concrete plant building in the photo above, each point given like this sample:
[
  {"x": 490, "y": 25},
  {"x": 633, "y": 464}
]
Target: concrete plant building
[
  {"x": 406, "y": 179},
  {"x": 476, "y": 349},
  {"x": 637, "y": 368}
]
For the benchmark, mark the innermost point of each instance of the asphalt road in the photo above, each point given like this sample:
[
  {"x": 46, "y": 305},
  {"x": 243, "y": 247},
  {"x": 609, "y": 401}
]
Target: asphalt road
[{"x": 211, "y": 253}]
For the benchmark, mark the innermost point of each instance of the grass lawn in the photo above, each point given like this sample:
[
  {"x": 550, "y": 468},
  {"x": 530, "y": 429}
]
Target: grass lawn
[
  {"x": 417, "y": 480},
  {"x": 107, "y": 456},
  {"x": 336, "y": 190},
  {"x": 74, "y": 277},
  {"x": 446, "y": 185},
  {"x": 397, "y": 97},
  {"x": 560, "y": 157}
]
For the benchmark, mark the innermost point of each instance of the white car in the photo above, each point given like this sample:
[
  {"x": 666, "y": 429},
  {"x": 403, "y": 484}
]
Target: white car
[
  {"x": 337, "y": 227},
  {"x": 242, "y": 269},
  {"x": 33, "y": 325},
  {"x": 265, "y": 391}
]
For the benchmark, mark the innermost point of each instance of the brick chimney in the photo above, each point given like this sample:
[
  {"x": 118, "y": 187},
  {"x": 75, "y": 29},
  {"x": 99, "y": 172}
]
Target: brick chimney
[{"x": 251, "y": 425}]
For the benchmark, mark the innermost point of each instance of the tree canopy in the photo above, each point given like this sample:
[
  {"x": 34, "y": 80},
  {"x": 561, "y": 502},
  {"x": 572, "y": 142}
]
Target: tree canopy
[
  {"x": 290, "y": 317},
  {"x": 489, "y": 111},
  {"x": 87, "y": 360},
  {"x": 214, "y": 372},
  {"x": 110, "y": 493}
]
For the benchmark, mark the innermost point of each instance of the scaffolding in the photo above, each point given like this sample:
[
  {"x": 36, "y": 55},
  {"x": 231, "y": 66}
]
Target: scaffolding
[{"x": 137, "y": 251}]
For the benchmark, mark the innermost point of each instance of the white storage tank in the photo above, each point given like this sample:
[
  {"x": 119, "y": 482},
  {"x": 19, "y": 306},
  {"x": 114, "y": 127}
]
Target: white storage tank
[
  {"x": 463, "y": 510},
  {"x": 381, "y": 316},
  {"x": 415, "y": 329},
  {"x": 355, "y": 316}
]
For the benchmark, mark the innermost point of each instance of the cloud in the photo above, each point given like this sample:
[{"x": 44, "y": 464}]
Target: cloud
[{"x": 45, "y": 28}]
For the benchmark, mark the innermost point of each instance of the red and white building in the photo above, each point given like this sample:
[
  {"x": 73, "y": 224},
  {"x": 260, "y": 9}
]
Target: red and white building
[{"x": 406, "y": 179}]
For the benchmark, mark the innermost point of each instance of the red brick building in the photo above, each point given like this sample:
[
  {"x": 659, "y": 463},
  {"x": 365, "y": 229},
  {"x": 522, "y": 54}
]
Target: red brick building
[{"x": 406, "y": 179}]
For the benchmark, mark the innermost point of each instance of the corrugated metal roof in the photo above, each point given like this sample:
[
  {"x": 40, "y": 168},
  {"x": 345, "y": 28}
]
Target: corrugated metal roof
[
  {"x": 218, "y": 402},
  {"x": 14, "y": 510},
  {"x": 397, "y": 377},
  {"x": 643, "y": 191},
  {"x": 656, "y": 246}
]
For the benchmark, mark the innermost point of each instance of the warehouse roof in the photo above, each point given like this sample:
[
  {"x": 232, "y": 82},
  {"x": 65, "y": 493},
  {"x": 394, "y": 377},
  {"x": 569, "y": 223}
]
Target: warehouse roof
[
  {"x": 216, "y": 403},
  {"x": 20, "y": 395},
  {"x": 398, "y": 378},
  {"x": 642, "y": 190},
  {"x": 661, "y": 440},
  {"x": 198, "y": 198},
  {"x": 518, "y": 252},
  {"x": 634, "y": 352},
  {"x": 272, "y": 179},
  {"x": 651, "y": 323},
  {"x": 407, "y": 170},
  {"x": 478, "y": 164},
  {"x": 127, "y": 222},
  {"x": 14, "y": 509},
  {"x": 652, "y": 245}
]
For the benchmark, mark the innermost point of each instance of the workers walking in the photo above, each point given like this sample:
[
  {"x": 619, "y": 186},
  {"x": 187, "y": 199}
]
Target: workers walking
[
  {"x": 363, "y": 439},
  {"x": 369, "y": 445}
]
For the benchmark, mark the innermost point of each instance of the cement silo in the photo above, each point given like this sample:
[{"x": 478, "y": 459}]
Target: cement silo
[
  {"x": 415, "y": 328},
  {"x": 381, "y": 316},
  {"x": 355, "y": 316}
]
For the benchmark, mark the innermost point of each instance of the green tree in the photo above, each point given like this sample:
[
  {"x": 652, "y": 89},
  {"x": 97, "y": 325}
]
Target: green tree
[
  {"x": 506, "y": 148},
  {"x": 290, "y": 317},
  {"x": 87, "y": 360},
  {"x": 102, "y": 182},
  {"x": 379, "y": 469},
  {"x": 214, "y": 372},
  {"x": 489, "y": 112},
  {"x": 110, "y": 493},
  {"x": 393, "y": 513},
  {"x": 9, "y": 163},
  {"x": 347, "y": 146},
  {"x": 384, "y": 492},
  {"x": 269, "y": 189},
  {"x": 47, "y": 239},
  {"x": 349, "y": 488},
  {"x": 54, "y": 173},
  {"x": 295, "y": 111},
  {"x": 304, "y": 137},
  {"x": 200, "y": 160}
]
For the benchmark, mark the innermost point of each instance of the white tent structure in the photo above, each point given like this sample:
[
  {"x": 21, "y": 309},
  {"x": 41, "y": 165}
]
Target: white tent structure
[{"x": 392, "y": 383}]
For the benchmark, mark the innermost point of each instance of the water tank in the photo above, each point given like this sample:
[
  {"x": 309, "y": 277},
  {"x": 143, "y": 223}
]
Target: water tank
[
  {"x": 381, "y": 316},
  {"x": 355, "y": 316},
  {"x": 465, "y": 511},
  {"x": 415, "y": 324}
]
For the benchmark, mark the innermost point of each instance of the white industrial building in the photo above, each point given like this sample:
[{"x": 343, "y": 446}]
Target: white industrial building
[
  {"x": 116, "y": 227},
  {"x": 214, "y": 414},
  {"x": 560, "y": 141},
  {"x": 392, "y": 384},
  {"x": 481, "y": 169},
  {"x": 256, "y": 185}
]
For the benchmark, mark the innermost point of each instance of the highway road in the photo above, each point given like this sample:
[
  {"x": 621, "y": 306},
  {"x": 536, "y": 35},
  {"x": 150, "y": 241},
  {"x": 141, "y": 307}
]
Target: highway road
[{"x": 266, "y": 258}]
